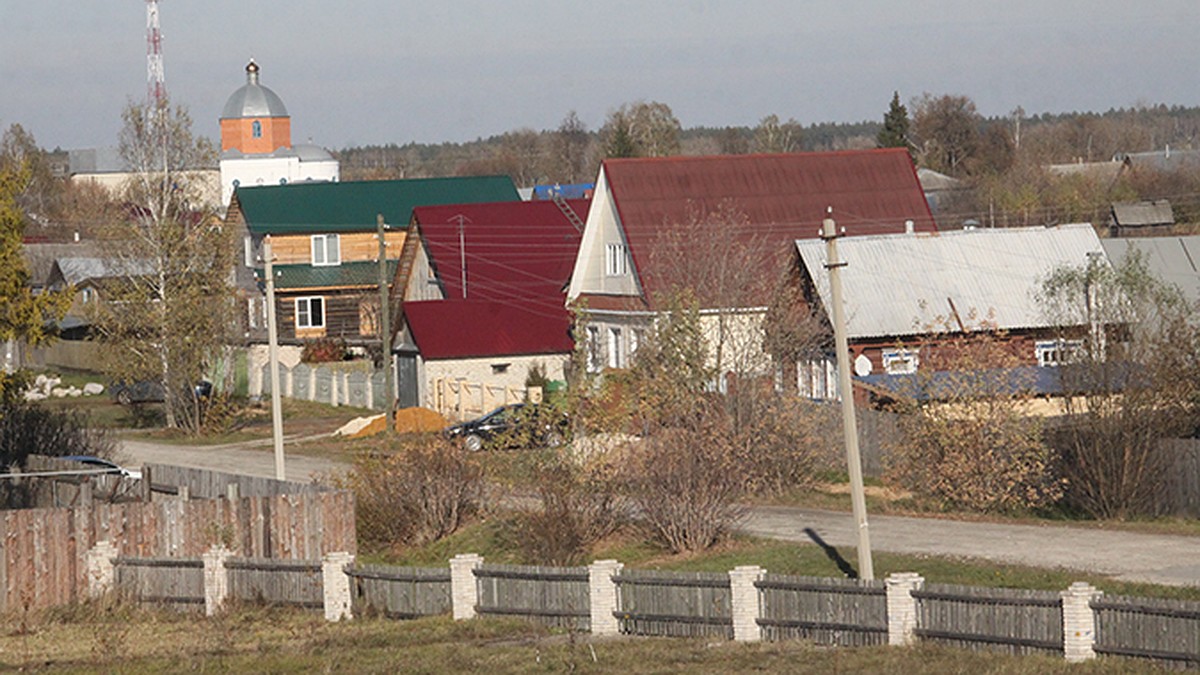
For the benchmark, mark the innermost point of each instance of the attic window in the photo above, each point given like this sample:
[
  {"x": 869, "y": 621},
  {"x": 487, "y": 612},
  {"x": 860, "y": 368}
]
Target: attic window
[
  {"x": 615, "y": 260},
  {"x": 901, "y": 361},
  {"x": 326, "y": 250}
]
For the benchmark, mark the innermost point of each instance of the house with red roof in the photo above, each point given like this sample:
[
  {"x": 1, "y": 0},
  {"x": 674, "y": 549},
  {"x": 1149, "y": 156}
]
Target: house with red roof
[
  {"x": 481, "y": 289},
  {"x": 723, "y": 228}
]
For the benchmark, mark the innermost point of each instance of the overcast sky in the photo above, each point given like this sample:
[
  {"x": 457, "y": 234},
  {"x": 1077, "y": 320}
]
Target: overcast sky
[{"x": 395, "y": 71}]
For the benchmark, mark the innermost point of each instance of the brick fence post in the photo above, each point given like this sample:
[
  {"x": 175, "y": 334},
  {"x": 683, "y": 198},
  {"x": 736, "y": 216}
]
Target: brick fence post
[
  {"x": 216, "y": 579},
  {"x": 602, "y": 593},
  {"x": 337, "y": 585},
  {"x": 1079, "y": 622},
  {"x": 744, "y": 601},
  {"x": 101, "y": 572},
  {"x": 902, "y": 607},
  {"x": 464, "y": 593}
]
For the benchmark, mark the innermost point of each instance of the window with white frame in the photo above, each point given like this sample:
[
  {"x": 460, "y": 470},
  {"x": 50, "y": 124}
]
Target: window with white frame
[
  {"x": 593, "y": 349},
  {"x": 251, "y": 313},
  {"x": 86, "y": 295},
  {"x": 901, "y": 361},
  {"x": 310, "y": 312},
  {"x": 1056, "y": 352},
  {"x": 615, "y": 358},
  {"x": 326, "y": 250},
  {"x": 616, "y": 258},
  {"x": 636, "y": 337}
]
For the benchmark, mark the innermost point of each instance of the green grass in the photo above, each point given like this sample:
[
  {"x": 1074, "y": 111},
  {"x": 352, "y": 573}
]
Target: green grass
[{"x": 104, "y": 639}]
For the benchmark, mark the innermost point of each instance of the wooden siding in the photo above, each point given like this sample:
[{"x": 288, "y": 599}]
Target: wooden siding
[
  {"x": 343, "y": 314},
  {"x": 296, "y": 249}
]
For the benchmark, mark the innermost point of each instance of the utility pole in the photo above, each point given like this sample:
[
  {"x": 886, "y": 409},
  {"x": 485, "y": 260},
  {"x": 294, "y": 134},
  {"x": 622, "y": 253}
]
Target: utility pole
[
  {"x": 273, "y": 357},
  {"x": 866, "y": 570},
  {"x": 385, "y": 327}
]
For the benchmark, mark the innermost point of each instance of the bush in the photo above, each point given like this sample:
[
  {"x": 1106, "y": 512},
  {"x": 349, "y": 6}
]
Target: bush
[
  {"x": 778, "y": 442},
  {"x": 324, "y": 350},
  {"x": 579, "y": 505},
  {"x": 419, "y": 494},
  {"x": 27, "y": 428}
]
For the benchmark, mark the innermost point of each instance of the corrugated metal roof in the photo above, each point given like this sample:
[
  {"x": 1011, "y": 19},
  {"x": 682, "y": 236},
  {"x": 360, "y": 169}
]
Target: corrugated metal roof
[
  {"x": 1138, "y": 214},
  {"x": 446, "y": 329},
  {"x": 302, "y": 208},
  {"x": 75, "y": 270},
  {"x": 514, "y": 251},
  {"x": 292, "y": 277},
  {"x": 784, "y": 197},
  {"x": 1175, "y": 260},
  {"x": 897, "y": 285}
]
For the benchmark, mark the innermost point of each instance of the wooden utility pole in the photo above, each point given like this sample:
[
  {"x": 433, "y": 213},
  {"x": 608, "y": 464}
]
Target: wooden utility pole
[
  {"x": 385, "y": 328},
  {"x": 866, "y": 569},
  {"x": 273, "y": 358}
]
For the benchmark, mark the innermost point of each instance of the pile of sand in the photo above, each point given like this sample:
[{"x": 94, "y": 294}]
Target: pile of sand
[{"x": 408, "y": 420}]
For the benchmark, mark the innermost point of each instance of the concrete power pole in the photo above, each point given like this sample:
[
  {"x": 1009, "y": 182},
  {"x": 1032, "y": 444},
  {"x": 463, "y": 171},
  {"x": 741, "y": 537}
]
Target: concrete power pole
[
  {"x": 866, "y": 569},
  {"x": 273, "y": 358},
  {"x": 385, "y": 328}
]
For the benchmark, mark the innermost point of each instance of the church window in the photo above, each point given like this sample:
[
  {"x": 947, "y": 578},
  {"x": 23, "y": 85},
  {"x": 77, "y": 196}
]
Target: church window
[{"x": 256, "y": 129}]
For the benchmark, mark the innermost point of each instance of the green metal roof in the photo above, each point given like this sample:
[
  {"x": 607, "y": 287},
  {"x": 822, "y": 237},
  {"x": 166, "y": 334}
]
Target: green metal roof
[
  {"x": 290, "y": 277},
  {"x": 306, "y": 208}
]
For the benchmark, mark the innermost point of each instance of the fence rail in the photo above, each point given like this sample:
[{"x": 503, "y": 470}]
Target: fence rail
[
  {"x": 400, "y": 592},
  {"x": 553, "y": 595},
  {"x": 827, "y": 611},
  {"x": 177, "y": 583},
  {"x": 1167, "y": 630},
  {"x": 295, "y": 583},
  {"x": 682, "y": 604},
  {"x": 1018, "y": 621}
]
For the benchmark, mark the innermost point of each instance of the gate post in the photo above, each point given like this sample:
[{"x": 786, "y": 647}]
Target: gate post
[
  {"x": 602, "y": 593},
  {"x": 1079, "y": 622},
  {"x": 464, "y": 592},
  {"x": 101, "y": 572},
  {"x": 902, "y": 607},
  {"x": 745, "y": 605},
  {"x": 337, "y": 585}
]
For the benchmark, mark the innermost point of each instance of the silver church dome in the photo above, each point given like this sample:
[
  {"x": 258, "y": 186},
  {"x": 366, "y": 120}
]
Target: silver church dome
[{"x": 253, "y": 99}]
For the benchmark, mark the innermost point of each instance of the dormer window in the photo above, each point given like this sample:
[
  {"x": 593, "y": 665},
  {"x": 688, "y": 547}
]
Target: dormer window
[
  {"x": 256, "y": 129},
  {"x": 615, "y": 260},
  {"x": 326, "y": 250}
]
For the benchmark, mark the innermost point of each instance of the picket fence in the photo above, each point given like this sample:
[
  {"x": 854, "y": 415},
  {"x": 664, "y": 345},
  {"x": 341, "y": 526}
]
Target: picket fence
[{"x": 745, "y": 604}]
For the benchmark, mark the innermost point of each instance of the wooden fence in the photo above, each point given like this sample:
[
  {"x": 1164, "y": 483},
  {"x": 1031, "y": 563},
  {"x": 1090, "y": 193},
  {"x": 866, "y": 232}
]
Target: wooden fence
[
  {"x": 1015, "y": 621},
  {"x": 43, "y": 551},
  {"x": 463, "y": 400},
  {"x": 678, "y": 604},
  {"x": 557, "y": 596},
  {"x": 1164, "y": 630},
  {"x": 846, "y": 612},
  {"x": 176, "y": 583},
  {"x": 293, "y": 583},
  {"x": 399, "y": 592}
]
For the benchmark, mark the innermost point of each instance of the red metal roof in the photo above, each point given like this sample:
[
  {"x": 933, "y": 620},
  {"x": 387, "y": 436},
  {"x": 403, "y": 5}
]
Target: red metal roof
[
  {"x": 514, "y": 251},
  {"x": 445, "y": 329},
  {"x": 783, "y": 197},
  {"x": 518, "y": 257}
]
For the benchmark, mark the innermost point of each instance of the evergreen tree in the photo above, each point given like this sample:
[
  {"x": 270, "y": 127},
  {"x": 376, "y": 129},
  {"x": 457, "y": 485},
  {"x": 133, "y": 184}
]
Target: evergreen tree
[{"x": 894, "y": 133}]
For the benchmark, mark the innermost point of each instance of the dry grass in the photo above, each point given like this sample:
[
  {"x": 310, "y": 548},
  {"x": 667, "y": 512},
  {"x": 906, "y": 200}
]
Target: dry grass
[{"x": 106, "y": 638}]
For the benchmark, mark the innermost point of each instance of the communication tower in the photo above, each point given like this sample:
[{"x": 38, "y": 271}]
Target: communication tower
[{"x": 156, "y": 88}]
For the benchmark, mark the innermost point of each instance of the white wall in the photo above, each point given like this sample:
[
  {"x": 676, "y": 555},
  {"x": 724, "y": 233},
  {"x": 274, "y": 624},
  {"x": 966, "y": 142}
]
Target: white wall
[
  {"x": 253, "y": 171},
  {"x": 602, "y": 227}
]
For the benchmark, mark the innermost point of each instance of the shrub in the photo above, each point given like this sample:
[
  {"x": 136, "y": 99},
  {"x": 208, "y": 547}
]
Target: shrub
[
  {"x": 424, "y": 491},
  {"x": 323, "y": 350},
  {"x": 579, "y": 504}
]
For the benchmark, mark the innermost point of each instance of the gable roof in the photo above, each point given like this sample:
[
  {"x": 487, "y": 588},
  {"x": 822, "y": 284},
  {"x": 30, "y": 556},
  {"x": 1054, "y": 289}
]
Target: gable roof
[
  {"x": 783, "y": 197},
  {"x": 451, "y": 329},
  {"x": 514, "y": 251},
  {"x": 304, "y": 208},
  {"x": 896, "y": 285},
  {"x": 1174, "y": 260},
  {"x": 76, "y": 270},
  {"x": 1139, "y": 214}
]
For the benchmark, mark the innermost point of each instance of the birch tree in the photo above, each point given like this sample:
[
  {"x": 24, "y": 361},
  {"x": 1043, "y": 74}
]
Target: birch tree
[{"x": 167, "y": 305}]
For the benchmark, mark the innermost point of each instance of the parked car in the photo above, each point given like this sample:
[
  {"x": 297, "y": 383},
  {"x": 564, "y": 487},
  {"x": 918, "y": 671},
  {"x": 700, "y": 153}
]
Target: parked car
[
  {"x": 101, "y": 464},
  {"x": 151, "y": 391},
  {"x": 515, "y": 425}
]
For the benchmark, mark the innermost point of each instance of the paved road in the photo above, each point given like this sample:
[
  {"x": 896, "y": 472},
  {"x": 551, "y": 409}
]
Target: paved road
[
  {"x": 1159, "y": 559},
  {"x": 1162, "y": 559}
]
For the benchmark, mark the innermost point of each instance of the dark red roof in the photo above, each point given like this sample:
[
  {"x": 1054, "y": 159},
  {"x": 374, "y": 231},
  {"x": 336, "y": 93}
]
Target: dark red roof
[
  {"x": 519, "y": 256},
  {"x": 444, "y": 329},
  {"x": 514, "y": 251},
  {"x": 783, "y": 197}
]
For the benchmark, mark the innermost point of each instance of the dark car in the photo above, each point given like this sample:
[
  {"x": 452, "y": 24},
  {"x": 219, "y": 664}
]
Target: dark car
[
  {"x": 516, "y": 425},
  {"x": 150, "y": 391}
]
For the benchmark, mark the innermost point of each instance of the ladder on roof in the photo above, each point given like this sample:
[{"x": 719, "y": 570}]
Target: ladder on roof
[{"x": 557, "y": 198}]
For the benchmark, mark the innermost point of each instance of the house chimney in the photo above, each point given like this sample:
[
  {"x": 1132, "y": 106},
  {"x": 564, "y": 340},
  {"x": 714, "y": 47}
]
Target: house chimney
[{"x": 909, "y": 227}]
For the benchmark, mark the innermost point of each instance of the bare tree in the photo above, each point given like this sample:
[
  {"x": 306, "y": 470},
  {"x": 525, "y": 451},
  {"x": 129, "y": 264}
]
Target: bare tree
[
  {"x": 641, "y": 130},
  {"x": 570, "y": 148},
  {"x": 774, "y": 136},
  {"x": 165, "y": 314}
]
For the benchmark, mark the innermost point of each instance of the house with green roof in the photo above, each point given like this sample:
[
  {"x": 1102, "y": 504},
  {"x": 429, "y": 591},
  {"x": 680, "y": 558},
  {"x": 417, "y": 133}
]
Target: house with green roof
[{"x": 326, "y": 253}]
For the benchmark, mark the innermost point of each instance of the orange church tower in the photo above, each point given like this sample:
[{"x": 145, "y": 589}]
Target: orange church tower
[{"x": 254, "y": 120}]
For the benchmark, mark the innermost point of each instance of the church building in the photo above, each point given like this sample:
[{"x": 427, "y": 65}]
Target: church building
[{"x": 256, "y": 142}]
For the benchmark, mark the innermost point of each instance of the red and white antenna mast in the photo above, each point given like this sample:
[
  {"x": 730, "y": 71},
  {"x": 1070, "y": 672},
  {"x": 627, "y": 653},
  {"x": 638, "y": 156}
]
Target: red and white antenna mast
[{"x": 156, "y": 88}]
